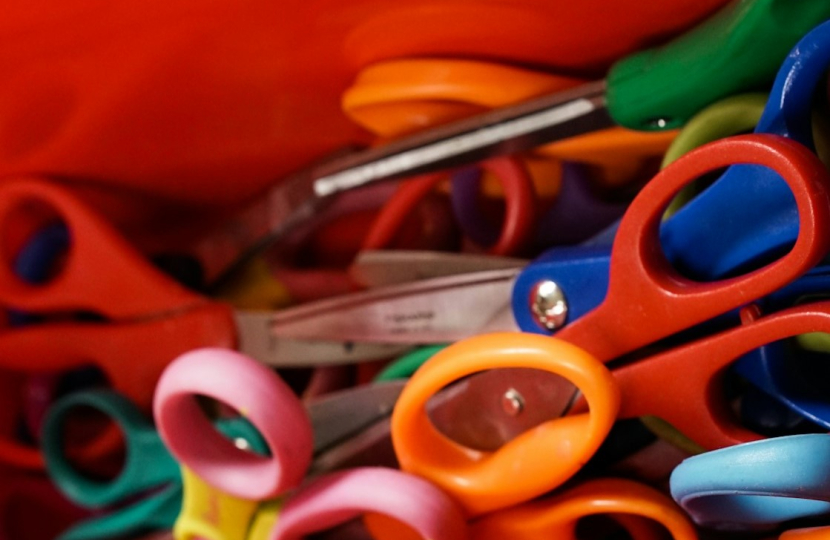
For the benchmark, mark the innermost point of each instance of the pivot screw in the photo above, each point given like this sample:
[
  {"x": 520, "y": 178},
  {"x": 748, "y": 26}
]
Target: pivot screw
[
  {"x": 548, "y": 305},
  {"x": 512, "y": 402}
]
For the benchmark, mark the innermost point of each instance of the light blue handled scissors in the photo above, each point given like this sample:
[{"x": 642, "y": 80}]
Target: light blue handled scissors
[{"x": 758, "y": 485}]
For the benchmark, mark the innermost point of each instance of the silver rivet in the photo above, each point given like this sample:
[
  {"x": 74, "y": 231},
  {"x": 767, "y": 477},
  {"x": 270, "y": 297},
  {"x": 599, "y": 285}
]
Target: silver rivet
[
  {"x": 512, "y": 402},
  {"x": 549, "y": 305},
  {"x": 658, "y": 123}
]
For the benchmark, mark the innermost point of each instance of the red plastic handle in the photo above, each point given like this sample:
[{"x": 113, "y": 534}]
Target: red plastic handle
[
  {"x": 102, "y": 272},
  {"x": 648, "y": 299},
  {"x": 690, "y": 396},
  {"x": 519, "y": 197}
]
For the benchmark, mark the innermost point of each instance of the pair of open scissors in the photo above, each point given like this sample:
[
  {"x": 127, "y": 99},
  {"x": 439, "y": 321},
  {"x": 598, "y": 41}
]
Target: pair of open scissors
[
  {"x": 758, "y": 485},
  {"x": 746, "y": 37},
  {"x": 261, "y": 397},
  {"x": 148, "y": 488}
]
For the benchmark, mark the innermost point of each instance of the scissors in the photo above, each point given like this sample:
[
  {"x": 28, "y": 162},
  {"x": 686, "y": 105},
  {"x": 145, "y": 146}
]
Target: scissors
[
  {"x": 690, "y": 399},
  {"x": 520, "y": 202},
  {"x": 557, "y": 516},
  {"x": 143, "y": 311},
  {"x": 755, "y": 486},
  {"x": 331, "y": 499},
  {"x": 648, "y": 300},
  {"x": 413, "y": 314},
  {"x": 753, "y": 51},
  {"x": 397, "y": 97},
  {"x": 150, "y": 482}
]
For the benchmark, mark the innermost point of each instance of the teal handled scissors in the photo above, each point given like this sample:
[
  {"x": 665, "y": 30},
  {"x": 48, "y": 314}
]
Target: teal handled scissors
[
  {"x": 738, "y": 49},
  {"x": 148, "y": 490}
]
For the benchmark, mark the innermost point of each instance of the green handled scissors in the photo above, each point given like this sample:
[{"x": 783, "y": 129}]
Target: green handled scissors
[
  {"x": 150, "y": 476},
  {"x": 739, "y": 49}
]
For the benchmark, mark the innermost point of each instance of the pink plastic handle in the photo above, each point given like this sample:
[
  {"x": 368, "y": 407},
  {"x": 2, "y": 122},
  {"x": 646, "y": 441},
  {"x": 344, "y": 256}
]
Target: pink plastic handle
[
  {"x": 417, "y": 505},
  {"x": 259, "y": 395}
]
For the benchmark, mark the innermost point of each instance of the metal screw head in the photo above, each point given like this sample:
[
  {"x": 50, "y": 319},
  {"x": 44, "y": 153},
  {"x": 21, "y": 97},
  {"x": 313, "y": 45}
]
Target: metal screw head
[
  {"x": 512, "y": 402},
  {"x": 548, "y": 304}
]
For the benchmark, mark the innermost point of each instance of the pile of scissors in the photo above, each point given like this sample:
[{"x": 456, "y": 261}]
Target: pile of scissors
[{"x": 534, "y": 306}]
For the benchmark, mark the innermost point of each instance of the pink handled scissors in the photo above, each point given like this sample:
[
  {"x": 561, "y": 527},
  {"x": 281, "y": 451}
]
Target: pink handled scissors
[{"x": 265, "y": 400}]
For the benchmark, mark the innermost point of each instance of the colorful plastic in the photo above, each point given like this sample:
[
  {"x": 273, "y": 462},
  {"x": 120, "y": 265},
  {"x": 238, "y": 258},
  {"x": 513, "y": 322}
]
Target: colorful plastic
[{"x": 521, "y": 469}]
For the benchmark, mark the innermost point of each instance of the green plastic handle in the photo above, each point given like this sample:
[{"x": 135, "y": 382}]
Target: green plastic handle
[
  {"x": 406, "y": 365},
  {"x": 738, "y": 49}
]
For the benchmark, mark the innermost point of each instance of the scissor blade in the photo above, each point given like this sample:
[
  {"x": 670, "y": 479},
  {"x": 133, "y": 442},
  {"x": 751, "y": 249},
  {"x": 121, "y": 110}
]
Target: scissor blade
[
  {"x": 298, "y": 198},
  {"x": 439, "y": 310},
  {"x": 502, "y": 131},
  {"x": 377, "y": 268},
  {"x": 490, "y": 408},
  {"x": 257, "y": 340},
  {"x": 340, "y": 415}
]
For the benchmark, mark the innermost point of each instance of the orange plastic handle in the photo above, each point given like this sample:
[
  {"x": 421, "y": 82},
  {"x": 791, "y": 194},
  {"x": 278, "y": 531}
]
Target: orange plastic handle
[
  {"x": 813, "y": 533},
  {"x": 518, "y": 219},
  {"x": 557, "y": 517},
  {"x": 536, "y": 461}
]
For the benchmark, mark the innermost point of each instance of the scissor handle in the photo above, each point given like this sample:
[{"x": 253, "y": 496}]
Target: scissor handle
[
  {"x": 811, "y": 533},
  {"x": 531, "y": 464},
  {"x": 648, "y": 299},
  {"x": 520, "y": 201},
  {"x": 692, "y": 399},
  {"x": 260, "y": 396},
  {"x": 770, "y": 481},
  {"x": 102, "y": 273},
  {"x": 377, "y": 493},
  {"x": 157, "y": 511},
  {"x": 143, "y": 446},
  {"x": 557, "y": 516}
]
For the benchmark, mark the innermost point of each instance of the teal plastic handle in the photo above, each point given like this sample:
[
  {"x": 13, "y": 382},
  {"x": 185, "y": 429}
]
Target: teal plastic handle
[
  {"x": 148, "y": 463},
  {"x": 738, "y": 49}
]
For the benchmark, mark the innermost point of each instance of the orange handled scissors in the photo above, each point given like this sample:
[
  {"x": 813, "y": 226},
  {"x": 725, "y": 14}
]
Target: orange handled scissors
[
  {"x": 557, "y": 516},
  {"x": 647, "y": 300}
]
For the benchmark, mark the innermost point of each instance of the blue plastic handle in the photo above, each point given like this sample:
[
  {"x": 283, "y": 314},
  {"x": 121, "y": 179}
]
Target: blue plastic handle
[
  {"x": 746, "y": 217},
  {"x": 756, "y": 486}
]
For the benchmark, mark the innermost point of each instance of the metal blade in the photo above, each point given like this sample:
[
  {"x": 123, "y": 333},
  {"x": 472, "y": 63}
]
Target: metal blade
[
  {"x": 378, "y": 268},
  {"x": 257, "y": 340},
  {"x": 439, "y": 310},
  {"x": 502, "y": 131},
  {"x": 340, "y": 415},
  {"x": 298, "y": 198},
  {"x": 488, "y": 409}
]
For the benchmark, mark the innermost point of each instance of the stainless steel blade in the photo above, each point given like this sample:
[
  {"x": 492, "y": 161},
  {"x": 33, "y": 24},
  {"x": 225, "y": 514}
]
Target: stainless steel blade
[
  {"x": 340, "y": 415},
  {"x": 378, "y": 268},
  {"x": 439, "y": 310},
  {"x": 257, "y": 340}
]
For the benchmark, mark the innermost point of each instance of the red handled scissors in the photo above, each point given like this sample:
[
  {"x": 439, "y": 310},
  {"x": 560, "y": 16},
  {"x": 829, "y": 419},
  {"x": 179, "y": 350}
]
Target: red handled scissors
[
  {"x": 140, "y": 318},
  {"x": 647, "y": 300}
]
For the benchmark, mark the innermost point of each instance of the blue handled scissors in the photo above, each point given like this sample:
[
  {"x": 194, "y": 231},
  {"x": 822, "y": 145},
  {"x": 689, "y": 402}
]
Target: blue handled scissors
[
  {"x": 757, "y": 485},
  {"x": 742, "y": 220},
  {"x": 150, "y": 477}
]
